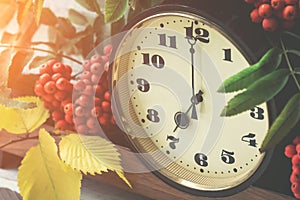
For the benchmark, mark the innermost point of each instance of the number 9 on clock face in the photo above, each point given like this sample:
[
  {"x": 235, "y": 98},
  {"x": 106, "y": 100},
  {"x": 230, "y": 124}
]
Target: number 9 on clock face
[{"x": 167, "y": 69}]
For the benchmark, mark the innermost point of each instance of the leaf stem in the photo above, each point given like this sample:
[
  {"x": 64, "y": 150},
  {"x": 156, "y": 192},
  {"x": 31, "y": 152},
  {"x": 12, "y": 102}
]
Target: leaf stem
[
  {"x": 41, "y": 50},
  {"x": 289, "y": 64},
  {"x": 18, "y": 140}
]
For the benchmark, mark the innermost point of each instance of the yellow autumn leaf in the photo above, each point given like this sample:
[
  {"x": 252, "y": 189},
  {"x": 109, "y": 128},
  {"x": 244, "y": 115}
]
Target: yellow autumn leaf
[
  {"x": 18, "y": 119},
  {"x": 91, "y": 154},
  {"x": 42, "y": 175}
]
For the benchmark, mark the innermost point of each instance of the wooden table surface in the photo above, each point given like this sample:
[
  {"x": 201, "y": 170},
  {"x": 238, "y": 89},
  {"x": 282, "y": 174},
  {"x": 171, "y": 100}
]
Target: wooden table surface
[{"x": 145, "y": 184}]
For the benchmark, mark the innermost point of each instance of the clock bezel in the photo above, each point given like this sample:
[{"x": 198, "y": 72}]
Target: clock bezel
[{"x": 249, "y": 56}]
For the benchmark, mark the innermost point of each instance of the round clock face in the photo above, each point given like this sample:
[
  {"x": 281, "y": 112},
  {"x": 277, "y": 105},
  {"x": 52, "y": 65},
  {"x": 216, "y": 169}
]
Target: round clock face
[{"x": 165, "y": 77}]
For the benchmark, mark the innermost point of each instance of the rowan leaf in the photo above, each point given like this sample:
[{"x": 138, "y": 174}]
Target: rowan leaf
[
  {"x": 8, "y": 9},
  {"x": 259, "y": 92},
  {"x": 38, "y": 8},
  {"x": 114, "y": 10},
  {"x": 22, "y": 115},
  {"x": 91, "y": 154},
  {"x": 42, "y": 175},
  {"x": 48, "y": 17},
  {"x": 77, "y": 18},
  {"x": 91, "y": 5},
  {"x": 268, "y": 63},
  {"x": 283, "y": 124},
  {"x": 39, "y": 60}
]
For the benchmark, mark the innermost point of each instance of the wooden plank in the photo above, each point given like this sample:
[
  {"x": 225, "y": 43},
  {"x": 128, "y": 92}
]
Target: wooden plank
[
  {"x": 146, "y": 184},
  {"x": 6, "y": 194}
]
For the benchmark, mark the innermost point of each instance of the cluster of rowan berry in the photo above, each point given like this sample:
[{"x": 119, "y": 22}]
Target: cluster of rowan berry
[
  {"x": 55, "y": 90},
  {"x": 273, "y": 14},
  {"x": 292, "y": 151},
  {"x": 91, "y": 96},
  {"x": 78, "y": 105}
]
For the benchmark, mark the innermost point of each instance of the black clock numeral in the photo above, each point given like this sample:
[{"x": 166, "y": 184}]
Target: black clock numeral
[
  {"x": 200, "y": 34},
  {"x": 257, "y": 113},
  {"x": 201, "y": 159},
  {"x": 227, "y": 55},
  {"x": 227, "y": 157},
  {"x": 156, "y": 60},
  {"x": 250, "y": 139},
  {"x": 173, "y": 141},
  {"x": 143, "y": 85},
  {"x": 153, "y": 115},
  {"x": 163, "y": 39}
]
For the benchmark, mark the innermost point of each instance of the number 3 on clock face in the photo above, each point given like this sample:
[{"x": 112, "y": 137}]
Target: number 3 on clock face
[{"x": 165, "y": 77}]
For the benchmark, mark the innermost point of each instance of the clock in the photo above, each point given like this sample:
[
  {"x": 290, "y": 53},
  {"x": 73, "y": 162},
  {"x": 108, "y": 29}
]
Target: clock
[{"x": 167, "y": 68}]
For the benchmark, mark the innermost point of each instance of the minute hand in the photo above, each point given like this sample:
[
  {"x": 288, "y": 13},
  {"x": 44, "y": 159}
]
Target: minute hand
[{"x": 192, "y": 41}]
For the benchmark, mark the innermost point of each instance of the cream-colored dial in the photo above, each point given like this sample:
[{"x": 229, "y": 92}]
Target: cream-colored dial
[{"x": 165, "y": 77}]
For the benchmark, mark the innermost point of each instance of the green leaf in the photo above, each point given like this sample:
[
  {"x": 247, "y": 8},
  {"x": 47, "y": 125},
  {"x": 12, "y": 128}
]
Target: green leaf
[
  {"x": 294, "y": 51},
  {"x": 114, "y": 10},
  {"x": 260, "y": 91},
  {"x": 42, "y": 175},
  {"x": 48, "y": 17},
  {"x": 90, "y": 5},
  {"x": 39, "y": 60},
  {"x": 90, "y": 154},
  {"x": 297, "y": 70},
  {"x": 269, "y": 62},
  {"x": 77, "y": 18},
  {"x": 284, "y": 123}
]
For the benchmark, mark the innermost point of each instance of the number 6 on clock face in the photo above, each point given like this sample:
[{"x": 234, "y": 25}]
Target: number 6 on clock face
[{"x": 165, "y": 77}]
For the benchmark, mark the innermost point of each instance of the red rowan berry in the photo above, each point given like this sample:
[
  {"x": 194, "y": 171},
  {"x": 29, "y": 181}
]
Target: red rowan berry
[
  {"x": 56, "y": 76},
  {"x": 79, "y": 85},
  {"x": 86, "y": 75},
  {"x": 57, "y": 115},
  {"x": 289, "y": 12},
  {"x": 50, "y": 87},
  {"x": 104, "y": 119},
  {"x": 86, "y": 65},
  {"x": 96, "y": 68},
  {"x": 63, "y": 84},
  {"x": 107, "y": 49},
  {"x": 58, "y": 68},
  {"x": 296, "y": 161},
  {"x": 96, "y": 111},
  {"x": 92, "y": 122},
  {"x": 48, "y": 97},
  {"x": 96, "y": 58},
  {"x": 95, "y": 78},
  {"x": 79, "y": 120},
  {"x": 296, "y": 140},
  {"x": 88, "y": 90},
  {"x": 98, "y": 90},
  {"x": 39, "y": 89},
  {"x": 105, "y": 59},
  {"x": 82, "y": 129},
  {"x": 291, "y": 2},
  {"x": 97, "y": 101},
  {"x": 270, "y": 24},
  {"x": 107, "y": 96},
  {"x": 277, "y": 4},
  {"x": 105, "y": 105},
  {"x": 265, "y": 10},
  {"x": 295, "y": 177},
  {"x": 68, "y": 109},
  {"x": 80, "y": 111},
  {"x": 62, "y": 125},
  {"x": 290, "y": 151},
  {"x": 84, "y": 100},
  {"x": 44, "y": 78},
  {"x": 45, "y": 69},
  {"x": 68, "y": 69},
  {"x": 69, "y": 118},
  {"x": 51, "y": 62},
  {"x": 56, "y": 104},
  {"x": 65, "y": 102},
  {"x": 60, "y": 95}
]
